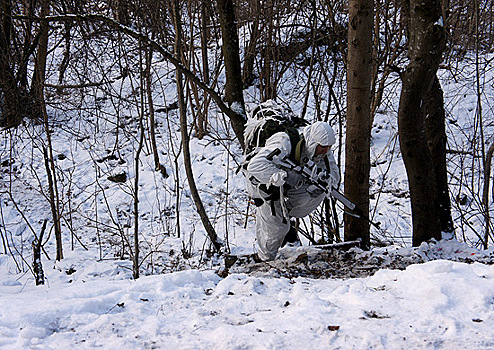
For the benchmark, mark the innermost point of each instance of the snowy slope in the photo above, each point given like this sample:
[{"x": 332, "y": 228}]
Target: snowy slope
[{"x": 439, "y": 304}]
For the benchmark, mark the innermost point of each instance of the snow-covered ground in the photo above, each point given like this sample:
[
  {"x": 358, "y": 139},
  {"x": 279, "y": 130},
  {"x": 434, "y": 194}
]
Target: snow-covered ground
[
  {"x": 439, "y": 304},
  {"x": 437, "y": 296}
]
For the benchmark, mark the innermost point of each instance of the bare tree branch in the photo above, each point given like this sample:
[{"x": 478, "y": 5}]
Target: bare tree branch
[{"x": 236, "y": 119}]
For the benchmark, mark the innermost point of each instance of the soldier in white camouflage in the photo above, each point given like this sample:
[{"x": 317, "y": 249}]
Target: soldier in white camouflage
[{"x": 282, "y": 194}]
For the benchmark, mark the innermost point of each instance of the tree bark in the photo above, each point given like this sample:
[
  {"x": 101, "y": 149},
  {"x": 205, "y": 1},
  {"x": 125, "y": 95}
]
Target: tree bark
[
  {"x": 38, "y": 83},
  {"x": 54, "y": 202},
  {"x": 425, "y": 47},
  {"x": 204, "y": 42},
  {"x": 11, "y": 115},
  {"x": 357, "y": 153},
  {"x": 248, "y": 76},
  {"x": 233, "y": 70},
  {"x": 66, "y": 55},
  {"x": 436, "y": 139},
  {"x": 485, "y": 195},
  {"x": 37, "y": 92},
  {"x": 152, "y": 128},
  {"x": 122, "y": 11}
]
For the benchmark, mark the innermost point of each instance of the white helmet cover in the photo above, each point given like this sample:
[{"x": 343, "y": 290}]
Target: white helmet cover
[{"x": 319, "y": 133}]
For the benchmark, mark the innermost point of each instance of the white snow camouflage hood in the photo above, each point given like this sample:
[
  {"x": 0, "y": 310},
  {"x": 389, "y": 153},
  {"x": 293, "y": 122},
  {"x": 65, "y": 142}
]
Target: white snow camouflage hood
[{"x": 319, "y": 133}]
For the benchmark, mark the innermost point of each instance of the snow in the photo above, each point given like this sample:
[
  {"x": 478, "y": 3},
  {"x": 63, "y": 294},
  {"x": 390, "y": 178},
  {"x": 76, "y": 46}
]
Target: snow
[{"x": 437, "y": 304}]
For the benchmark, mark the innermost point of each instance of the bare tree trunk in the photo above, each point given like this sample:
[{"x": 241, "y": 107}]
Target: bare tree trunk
[
  {"x": 233, "y": 70},
  {"x": 143, "y": 76},
  {"x": 10, "y": 115},
  {"x": 135, "y": 258},
  {"x": 37, "y": 91},
  {"x": 38, "y": 84},
  {"x": 313, "y": 19},
  {"x": 55, "y": 212},
  {"x": 184, "y": 130},
  {"x": 122, "y": 11},
  {"x": 485, "y": 195},
  {"x": 267, "y": 88},
  {"x": 152, "y": 128},
  {"x": 250, "y": 52},
  {"x": 436, "y": 139},
  {"x": 359, "y": 71},
  {"x": 66, "y": 54},
  {"x": 204, "y": 42},
  {"x": 425, "y": 47},
  {"x": 202, "y": 116}
]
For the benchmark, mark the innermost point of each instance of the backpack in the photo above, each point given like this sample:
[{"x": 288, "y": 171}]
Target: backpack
[{"x": 268, "y": 119}]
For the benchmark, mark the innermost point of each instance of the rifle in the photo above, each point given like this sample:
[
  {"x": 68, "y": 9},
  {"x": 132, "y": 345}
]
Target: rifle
[{"x": 307, "y": 173}]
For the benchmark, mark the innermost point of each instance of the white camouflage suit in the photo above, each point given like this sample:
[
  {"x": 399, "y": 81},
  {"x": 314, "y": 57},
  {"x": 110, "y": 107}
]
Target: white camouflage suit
[{"x": 300, "y": 199}]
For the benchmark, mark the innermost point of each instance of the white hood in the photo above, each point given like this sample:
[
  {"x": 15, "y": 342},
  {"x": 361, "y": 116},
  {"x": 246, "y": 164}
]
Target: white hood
[{"x": 319, "y": 133}]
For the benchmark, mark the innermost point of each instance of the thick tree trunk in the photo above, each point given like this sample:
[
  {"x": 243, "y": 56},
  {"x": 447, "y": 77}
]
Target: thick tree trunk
[
  {"x": 10, "y": 99},
  {"x": 359, "y": 69},
  {"x": 233, "y": 70},
  {"x": 436, "y": 139},
  {"x": 426, "y": 44}
]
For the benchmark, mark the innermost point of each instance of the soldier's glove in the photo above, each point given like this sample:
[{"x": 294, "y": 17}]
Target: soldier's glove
[{"x": 277, "y": 179}]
